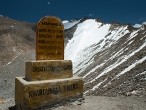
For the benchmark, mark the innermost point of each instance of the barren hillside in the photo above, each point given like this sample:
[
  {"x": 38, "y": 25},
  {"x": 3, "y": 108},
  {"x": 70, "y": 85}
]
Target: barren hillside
[
  {"x": 111, "y": 58},
  {"x": 15, "y": 38}
]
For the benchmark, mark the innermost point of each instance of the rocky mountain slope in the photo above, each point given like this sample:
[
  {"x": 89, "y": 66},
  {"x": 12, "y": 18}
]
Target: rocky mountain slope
[
  {"x": 110, "y": 57},
  {"x": 15, "y": 38}
]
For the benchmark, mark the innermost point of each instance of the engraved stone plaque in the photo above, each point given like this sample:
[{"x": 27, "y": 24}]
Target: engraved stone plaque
[
  {"x": 50, "y": 39},
  {"x": 48, "y": 69},
  {"x": 36, "y": 94}
]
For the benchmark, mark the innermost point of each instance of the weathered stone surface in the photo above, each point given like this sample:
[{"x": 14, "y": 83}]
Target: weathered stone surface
[
  {"x": 50, "y": 39},
  {"x": 49, "y": 79},
  {"x": 48, "y": 69},
  {"x": 38, "y": 94}
]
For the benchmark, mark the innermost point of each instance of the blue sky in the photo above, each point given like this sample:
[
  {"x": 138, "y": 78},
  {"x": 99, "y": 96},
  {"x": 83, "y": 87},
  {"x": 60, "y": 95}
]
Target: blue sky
[{"x": 124, "y": 11}]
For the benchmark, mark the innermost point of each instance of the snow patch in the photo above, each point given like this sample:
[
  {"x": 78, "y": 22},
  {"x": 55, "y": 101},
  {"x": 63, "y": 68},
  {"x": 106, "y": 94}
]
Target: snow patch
[
  {"x": 137, "y": 26},
  {"x": 87, "y": 33},
  {"x": 93, "y": 70},
  {"x": 108, "y": 69},
  {"x": 131, "y": 67},
  {"x": 133, "y": 34},
  {"x": 11, "y": 61},
  {"x": 68, "y": 24},
  {"x": 89, "y": 38},
  {"x": 65, "y": 21},
  {"x": 144, "y": 23}
]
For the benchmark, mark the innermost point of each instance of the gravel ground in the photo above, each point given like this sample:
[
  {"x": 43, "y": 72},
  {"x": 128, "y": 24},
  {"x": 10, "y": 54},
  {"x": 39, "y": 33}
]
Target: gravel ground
[
  {"x": 7, "y": 85},
  {"x": 107, "y": 103},
  {"x": 93, "y": 103}
]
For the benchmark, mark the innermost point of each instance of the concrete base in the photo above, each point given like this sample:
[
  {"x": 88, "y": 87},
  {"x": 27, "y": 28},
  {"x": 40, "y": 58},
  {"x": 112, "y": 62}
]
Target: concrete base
[{"x": 37, "y": 94}]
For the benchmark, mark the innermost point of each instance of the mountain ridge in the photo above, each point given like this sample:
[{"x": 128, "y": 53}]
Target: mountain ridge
[
  {"x": 102, "y": 61},
  {"x": 105, "y": 63},
  {"x": 111, "y": 58}
]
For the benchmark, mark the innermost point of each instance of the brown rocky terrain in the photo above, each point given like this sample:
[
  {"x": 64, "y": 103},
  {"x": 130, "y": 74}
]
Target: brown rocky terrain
[
  {"x": 118, "y": 62},
  {"x": 15, "y": 38},
  {"x": 17, "y": 46}
]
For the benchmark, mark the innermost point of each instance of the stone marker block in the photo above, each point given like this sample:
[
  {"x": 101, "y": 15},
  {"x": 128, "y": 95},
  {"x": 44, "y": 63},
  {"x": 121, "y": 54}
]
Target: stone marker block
[
  {"x": 48, "y": 69},
  {"x": 50, "y": 39},
  {"x": 39, "y": 94}
]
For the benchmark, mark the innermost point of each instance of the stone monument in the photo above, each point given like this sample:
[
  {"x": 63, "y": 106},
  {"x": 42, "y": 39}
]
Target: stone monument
[{"x": 49, "y": 79}]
